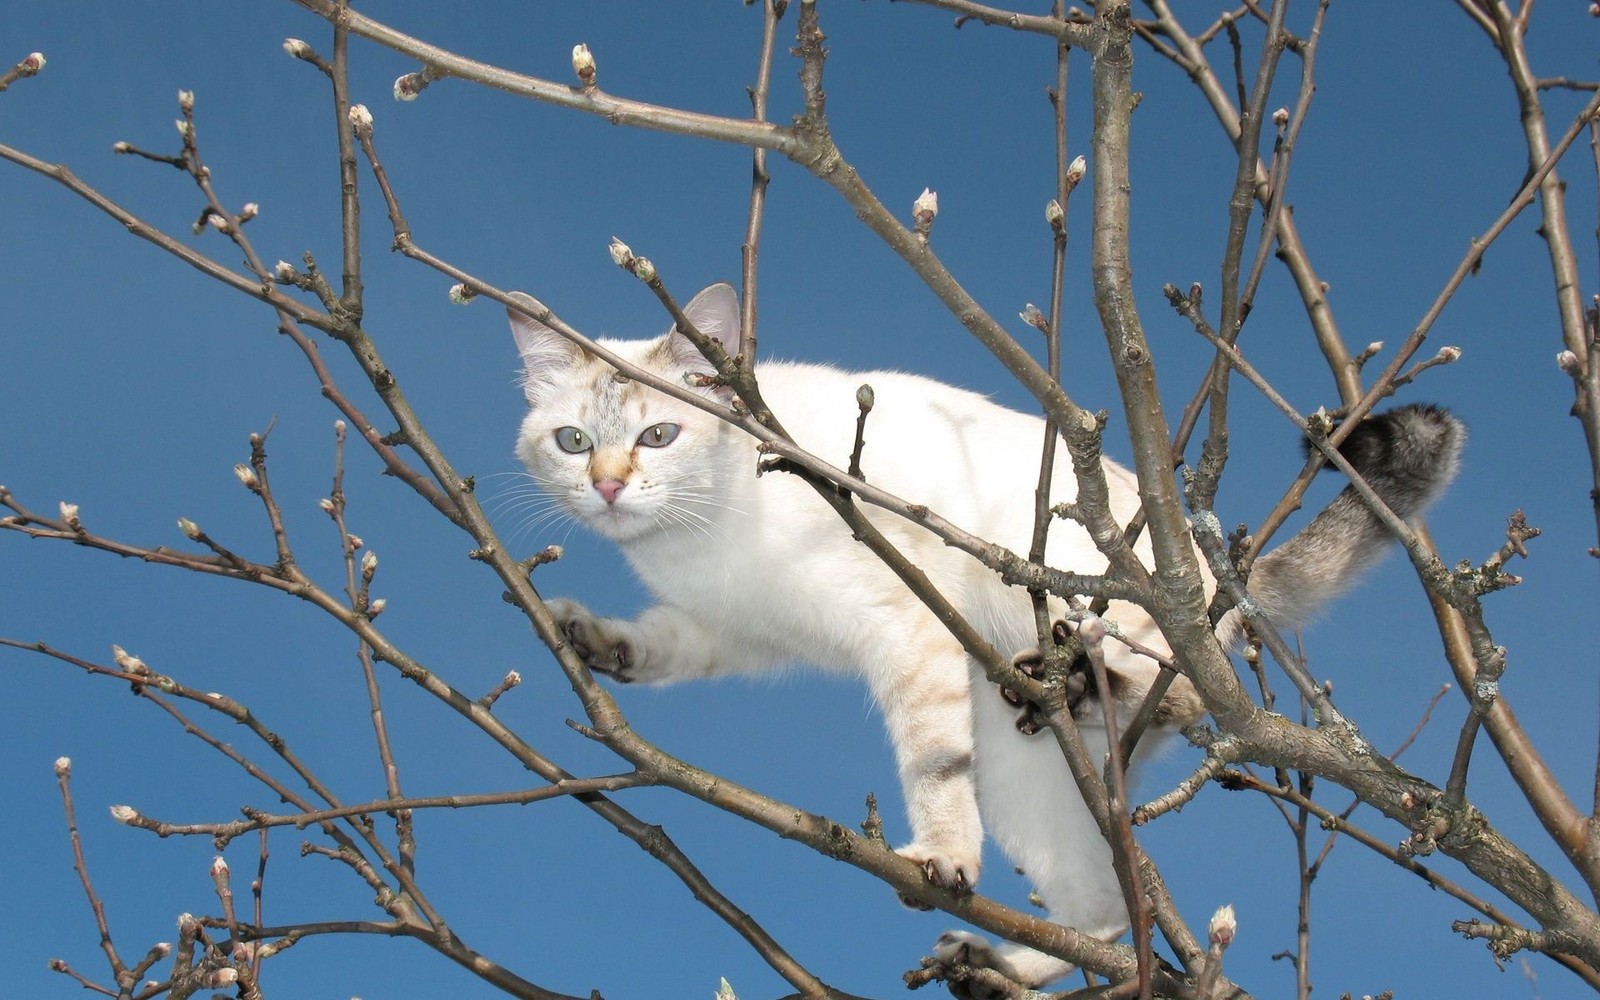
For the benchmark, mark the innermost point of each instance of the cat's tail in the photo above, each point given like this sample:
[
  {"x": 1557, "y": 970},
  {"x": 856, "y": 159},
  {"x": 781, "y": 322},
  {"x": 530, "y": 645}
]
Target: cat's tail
[{"x": 1408, "y": 455}]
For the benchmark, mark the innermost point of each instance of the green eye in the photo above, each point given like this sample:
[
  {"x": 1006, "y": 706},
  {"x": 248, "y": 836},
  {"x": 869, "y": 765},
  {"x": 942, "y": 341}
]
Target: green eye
[
  {"x": 571, "y": 440},
  {"x": 658, "y": 435}
]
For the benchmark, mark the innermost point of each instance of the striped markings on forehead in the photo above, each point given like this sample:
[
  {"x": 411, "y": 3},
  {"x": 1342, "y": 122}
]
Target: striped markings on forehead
[{"x": 613, "y": 403}]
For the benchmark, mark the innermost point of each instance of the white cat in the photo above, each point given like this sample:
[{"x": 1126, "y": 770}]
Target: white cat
[{"x": 754, "y": 573}]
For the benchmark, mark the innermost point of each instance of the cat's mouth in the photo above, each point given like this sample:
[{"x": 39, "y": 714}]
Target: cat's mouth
[{"x": 615, "y": 520}]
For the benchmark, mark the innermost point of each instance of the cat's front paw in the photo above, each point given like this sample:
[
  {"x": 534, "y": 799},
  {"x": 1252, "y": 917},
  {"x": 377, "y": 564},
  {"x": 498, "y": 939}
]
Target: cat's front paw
[
  {"x": 961, "y": 954},
  {"x": 957, "y": 873},
  {"x": 608, "y": 645}
]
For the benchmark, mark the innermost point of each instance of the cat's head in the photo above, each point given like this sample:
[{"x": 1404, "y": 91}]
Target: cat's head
[{"x": 624, "y": 459}]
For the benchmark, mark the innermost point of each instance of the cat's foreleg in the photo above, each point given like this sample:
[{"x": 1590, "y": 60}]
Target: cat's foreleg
[
  {"x": 660, "y": 646},
  {"x": 923, "y": 691}
]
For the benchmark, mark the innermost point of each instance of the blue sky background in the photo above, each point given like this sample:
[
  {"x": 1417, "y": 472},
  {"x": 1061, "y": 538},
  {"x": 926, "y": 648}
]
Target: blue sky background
[{"x": 129, "y": 385}]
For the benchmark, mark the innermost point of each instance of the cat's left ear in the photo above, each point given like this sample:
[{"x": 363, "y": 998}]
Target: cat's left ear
[{"x": 715, "y": 313}]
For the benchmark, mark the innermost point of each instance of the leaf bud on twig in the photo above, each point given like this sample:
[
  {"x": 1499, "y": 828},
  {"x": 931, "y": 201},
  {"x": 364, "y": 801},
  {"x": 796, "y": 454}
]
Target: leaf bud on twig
[
  {"x": 1031, "y": 315},
  {"x": 644, "y": 269},
  {"x": 124, "y": 813},
  {"x": 583, "y": 65},
  {"x": 724, "y": 990},
  {"x": 1054, "y": 214},
  {"x": 409, "y": 86},
  {"x": 462, "y": 294},
  {"x": 375, "y": 607},
  {"x": 247, "y": 477},
  {"x": 326, "y": 505},
  {"x": 127, "y": 661},
  {"x": 189, "y": 528},
  {"x": 923, "y": 211},
  {"x": 69, "y": 515},
  {"x": 297, "y": 48},
  {"x": 621, "y": 254},
  {"x": 369, "y": 564},
  {"x": 249, "y": 211},
  {"x": 63, "y": 766},
  {"x": 182, "y": 126},
  {"x": 1075, "y": 171},
  {"x": 31, "y": 65},
  {"x": 1448, "y": 354},
  {"x": 361, "y": 119},
  {"x": 284, "y": 273},
  {"x": 1223, "y": 926},
  {"x": 121, "y": 147},
  {"x": 865, "y": 397},
  {"x": 1280, "y": 118},
  {"x": 1568, "y": 362},
  {"x": 186, "y": 100}
]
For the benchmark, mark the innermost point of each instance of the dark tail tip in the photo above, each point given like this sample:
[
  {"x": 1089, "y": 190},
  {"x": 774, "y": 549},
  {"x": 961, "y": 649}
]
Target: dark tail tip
[{"x": 1408, "y": 454}]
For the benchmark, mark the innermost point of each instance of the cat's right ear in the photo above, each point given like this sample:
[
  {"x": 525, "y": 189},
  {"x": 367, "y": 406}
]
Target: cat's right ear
[{"x": 546, "y": 354}]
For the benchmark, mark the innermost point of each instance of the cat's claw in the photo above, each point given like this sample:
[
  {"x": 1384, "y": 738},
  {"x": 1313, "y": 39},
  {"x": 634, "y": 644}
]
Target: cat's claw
[
  {"x": 956, "y": 948},
  {"x": 940, "y": 869},
  {"x": 602, "y": 643}
]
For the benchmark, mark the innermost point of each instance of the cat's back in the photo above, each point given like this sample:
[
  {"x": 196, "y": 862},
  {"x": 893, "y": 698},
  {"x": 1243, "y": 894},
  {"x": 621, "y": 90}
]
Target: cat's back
[{"x": 927, "y": 441}]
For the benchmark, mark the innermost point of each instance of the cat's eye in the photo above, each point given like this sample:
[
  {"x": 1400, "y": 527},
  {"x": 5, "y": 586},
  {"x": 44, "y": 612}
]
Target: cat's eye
[
  {"x": 572, "y": 441},
  {"x": 658, "y": 435}
]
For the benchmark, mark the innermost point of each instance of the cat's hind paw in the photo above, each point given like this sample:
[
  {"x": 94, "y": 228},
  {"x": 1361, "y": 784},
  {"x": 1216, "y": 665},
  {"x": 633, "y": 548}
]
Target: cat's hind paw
[
  {"x": 972, "y": 968},
  {"x": 608, "y": 645},
  {"x": 1030, "y": 718},
  {"x": 942, "y": 869}
]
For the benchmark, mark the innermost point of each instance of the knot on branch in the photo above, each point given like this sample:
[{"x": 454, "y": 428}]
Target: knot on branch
[
  {"x": 1439, "y": 823},
  {"x": 1503, "y": 940}
]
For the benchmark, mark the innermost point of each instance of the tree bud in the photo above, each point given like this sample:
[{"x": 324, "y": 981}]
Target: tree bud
[
  {"x": 621, "y": 254},
  {"x": 1223, "y": 926},
  {"x": 1075, "y": 171},
  {"x": 583, "y": 64}
]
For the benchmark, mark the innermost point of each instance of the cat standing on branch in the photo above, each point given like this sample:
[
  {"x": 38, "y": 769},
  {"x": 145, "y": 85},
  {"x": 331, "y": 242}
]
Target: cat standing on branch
[{"x": 755, "y": 572}]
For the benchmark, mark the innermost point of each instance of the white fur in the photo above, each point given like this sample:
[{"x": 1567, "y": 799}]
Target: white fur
[{"x": 755, "y": 572}]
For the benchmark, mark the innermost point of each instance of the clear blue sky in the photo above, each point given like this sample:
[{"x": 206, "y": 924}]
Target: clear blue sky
[{"x": 129, "y": 385}]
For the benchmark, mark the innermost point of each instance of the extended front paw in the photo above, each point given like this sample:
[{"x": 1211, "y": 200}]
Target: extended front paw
[
  {"x": 958, "y": 873},
  {"x": 607, "y": 645},
  {"x": 970, "y": 965}
]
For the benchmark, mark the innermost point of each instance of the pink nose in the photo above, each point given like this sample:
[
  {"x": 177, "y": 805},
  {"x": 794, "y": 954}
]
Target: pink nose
[{"x": 609, "y": 488}]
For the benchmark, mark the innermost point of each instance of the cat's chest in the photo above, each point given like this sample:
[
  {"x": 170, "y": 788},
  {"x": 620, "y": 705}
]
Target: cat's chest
[{"x": 777, "y": 582}]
